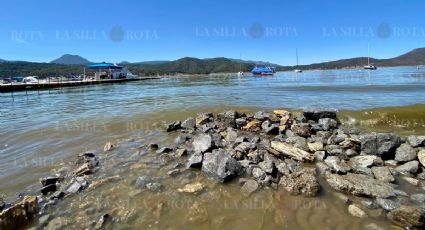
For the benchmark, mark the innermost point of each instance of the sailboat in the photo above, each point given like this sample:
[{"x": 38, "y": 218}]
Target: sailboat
[
  {"x": 296, "y": 70},
  {"x": 369, "y": 65},
  {"x": 240, "y": 73}
]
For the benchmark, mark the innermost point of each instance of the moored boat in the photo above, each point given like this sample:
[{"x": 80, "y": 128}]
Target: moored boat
[{"x": 263, "y": 71}]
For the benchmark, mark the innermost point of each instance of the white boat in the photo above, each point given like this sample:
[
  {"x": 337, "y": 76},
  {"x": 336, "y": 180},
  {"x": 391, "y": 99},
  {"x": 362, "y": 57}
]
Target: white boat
[
  {"x": 296, "y": 70},
  {"x": 30, "y": 80},
  {"x": 369, "y": 65},
  {"x": 240, "y": 73}
]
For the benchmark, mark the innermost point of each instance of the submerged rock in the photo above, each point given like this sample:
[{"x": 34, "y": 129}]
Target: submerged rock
[
  {"x": 387, "y": 204},
  {"x": 360, "y": 185},
  {"x": 219, "y": 165},
  {"x": 356, "y": 211},
  {"x": 249, "y": 187},
  {"x": 302, "y": 182},
  {"x": 407, "y": 217},
  {"x": 192, "y": 188}
]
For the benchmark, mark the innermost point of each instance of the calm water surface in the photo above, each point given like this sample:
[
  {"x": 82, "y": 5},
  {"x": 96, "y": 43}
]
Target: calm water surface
[{"x": 40, "y": 130}]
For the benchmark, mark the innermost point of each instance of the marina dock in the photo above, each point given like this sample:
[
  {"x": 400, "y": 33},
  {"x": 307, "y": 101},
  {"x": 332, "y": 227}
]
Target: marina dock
[{"x": 15, "y": 87}]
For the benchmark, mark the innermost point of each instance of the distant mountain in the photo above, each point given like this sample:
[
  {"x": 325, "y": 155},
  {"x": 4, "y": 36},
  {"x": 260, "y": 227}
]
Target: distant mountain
[
  {"x": 412, "y": 58},
  {"x": 1, "y": 60},
  {"x": 190, "y": 65},
  {"x": 69, "y": 59},
  {"x": 254, "y": 62}
]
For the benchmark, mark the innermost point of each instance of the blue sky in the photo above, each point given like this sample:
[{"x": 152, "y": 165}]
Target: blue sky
[{"x": 166, "y": 29}]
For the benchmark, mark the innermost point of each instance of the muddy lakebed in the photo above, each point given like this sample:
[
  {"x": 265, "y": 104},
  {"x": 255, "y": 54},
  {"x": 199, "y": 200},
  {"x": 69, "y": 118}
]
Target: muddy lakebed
[{"x": 134, "y": 185}]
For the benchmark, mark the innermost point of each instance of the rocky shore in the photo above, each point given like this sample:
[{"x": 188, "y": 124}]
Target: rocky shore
[{"x": 374, "y": 174}]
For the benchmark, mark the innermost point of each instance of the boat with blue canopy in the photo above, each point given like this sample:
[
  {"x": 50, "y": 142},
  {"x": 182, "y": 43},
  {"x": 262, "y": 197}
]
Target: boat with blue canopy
[{"x": 263, "y": 70}]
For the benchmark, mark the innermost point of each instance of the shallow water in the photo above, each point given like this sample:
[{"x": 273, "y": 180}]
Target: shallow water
[{"x": 40, "y": 130}]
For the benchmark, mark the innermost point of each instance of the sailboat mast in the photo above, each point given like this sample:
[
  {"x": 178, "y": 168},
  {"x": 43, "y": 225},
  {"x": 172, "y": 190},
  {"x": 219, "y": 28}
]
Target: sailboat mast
[
  {"x": 368, "y": 54},
  {"x": 296, "y": 52}
]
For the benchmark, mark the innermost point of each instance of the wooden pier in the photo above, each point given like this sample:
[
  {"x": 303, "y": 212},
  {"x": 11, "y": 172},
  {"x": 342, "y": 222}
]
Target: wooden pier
[{"x": 15, "y": 87}]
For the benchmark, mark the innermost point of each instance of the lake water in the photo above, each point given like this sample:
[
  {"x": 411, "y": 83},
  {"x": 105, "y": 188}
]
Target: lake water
[{"x": 41, "y": 130}]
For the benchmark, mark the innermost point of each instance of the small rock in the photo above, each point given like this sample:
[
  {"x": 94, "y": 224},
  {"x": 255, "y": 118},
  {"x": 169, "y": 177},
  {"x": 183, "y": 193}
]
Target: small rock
[
  {"x": 189, "y": 123},
  {"x": 50, "y": 180},
  {"x": 418, "y": 197},
  {"x": 164, "y": 150},
  {"x": 203, "y": 118},
  {"x": 192, "y": 188},
  {"x": 142, "y": 181},
  {"x": 270, "y": 129},
  {"x": 173, "y": 126},
  {"x": 383, "y": 174},
  {"x": 44, "y": 220},
  {"x": 387, "y": 204},
  {"x": 173, "y": 172},
  {"x": 302, "y": 130},
  {"x": 153, "y": 146},
  {"x": 316, "y": 146},
  {"x": 363, "y": 161},
  {"x": 421, "y": 157},
  {"x": 327, "y": 124},
  {"x": 74, "y": 188},
  {"x": 154, "y": 187},
  {"x": 103, "y": 221},
  {"x": 320, "y": 155},
  {"x": 181, "y": 152},
  {"x": 267, "y": 165},
  {"x": 108, "y": 146},
  {"x": 231, "y": 136},
  {"x": 407, "y": 217},
  {"x": 258, "y": 174},
  {"x": 337, "y": 165},
  {"x": 360, "y": 185},
  {"x": 302, "y": 182},
  {"x": 48, "y": 188},
  {"x": 355, "y": 211},
  {"x": 261, "y": 115},
  {"x": 405, "y": 153},
  {"x": 195, "y": 160},
  {"x": 409, "y": 167},
  {"x": 220, "y": 165},
  {"x": 249, "y": 187},
  {"x": 315, "y": 115},
  {"x": 416, "y": 141},
  {"x": 240, "y": 122},
  {"x": 412, "y": 181},
  {"x": 202, "y": 143},
  {"x": 342, "y": 197}
]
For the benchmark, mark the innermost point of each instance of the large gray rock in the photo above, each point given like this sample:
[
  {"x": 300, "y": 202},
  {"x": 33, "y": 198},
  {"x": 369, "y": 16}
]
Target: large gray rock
[
  {"x": 202, "y": 143},
  {"x": 315, "y": 115},
  {"x": 231, "y": 135},
  {"x": 229, "y": 118},
  {"x": 220, "y": 165},
  {"x": 356, "y": 211},
  {"x": 173, "y": 126},
  {"x": 382, "y": 144},
  {"x": 267, "y": 165},
  {"x": 360, "y": 185},
  {"x": 407, "y": 217},
  {"x": 298, "y": 142},
  {"x": 302, "y": 182},
  {"x": 410, "y": 167},
  {"x": 416, "y": 141},
  {"x": 387, "y": 143},
  {"x": 405, "y": 153},
  {"x": 383, "y": 174},
  {"x": 301, "y": 129},
  {"x": 269, "y": 128}
]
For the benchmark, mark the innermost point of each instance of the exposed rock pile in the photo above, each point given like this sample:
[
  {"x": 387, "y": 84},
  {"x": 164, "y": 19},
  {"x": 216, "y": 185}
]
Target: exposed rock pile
[{"x": 277, "y": 150}]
